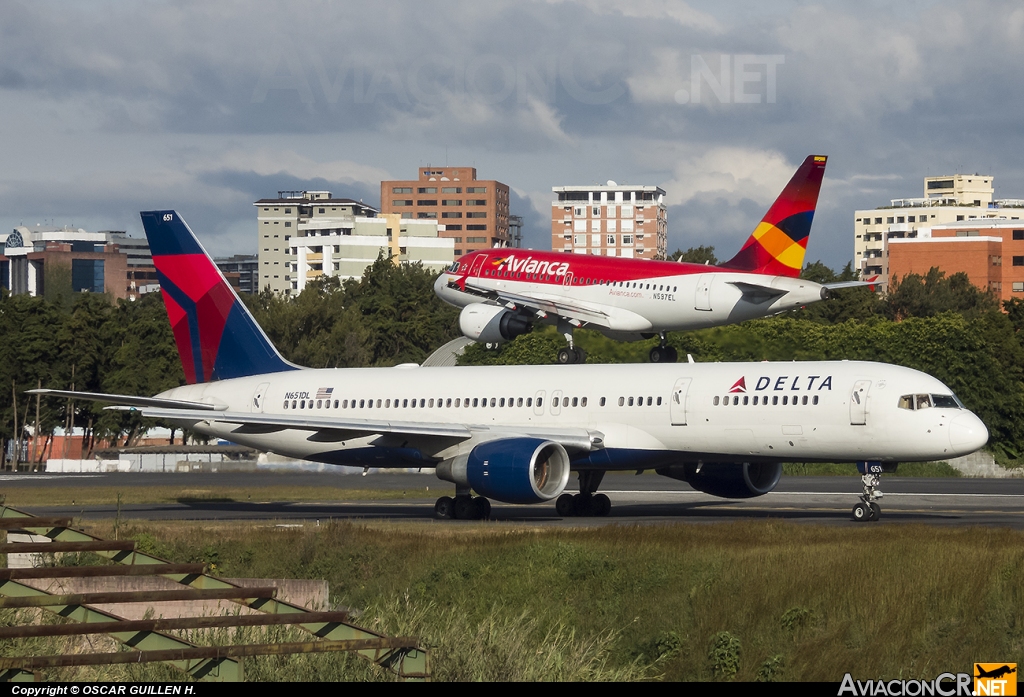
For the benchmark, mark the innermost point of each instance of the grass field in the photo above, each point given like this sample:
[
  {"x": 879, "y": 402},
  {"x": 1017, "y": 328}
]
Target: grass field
[{"x": 744, "y": 601}]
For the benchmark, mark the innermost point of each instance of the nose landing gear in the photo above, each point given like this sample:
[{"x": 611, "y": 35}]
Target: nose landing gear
[{"x": 871, "y": 477}]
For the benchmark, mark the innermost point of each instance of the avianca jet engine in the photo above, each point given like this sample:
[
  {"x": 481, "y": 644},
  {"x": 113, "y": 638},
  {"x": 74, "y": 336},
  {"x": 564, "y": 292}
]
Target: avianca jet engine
[{"x": 503, "y": 292}]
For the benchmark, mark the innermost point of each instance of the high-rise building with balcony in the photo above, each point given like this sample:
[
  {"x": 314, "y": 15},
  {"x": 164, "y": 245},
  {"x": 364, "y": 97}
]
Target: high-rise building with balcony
[{"x": 611, "y": 220}]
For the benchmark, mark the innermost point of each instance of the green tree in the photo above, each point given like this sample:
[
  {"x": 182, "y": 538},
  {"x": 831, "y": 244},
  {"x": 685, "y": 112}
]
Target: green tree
[{"x": 696, "y": 255}]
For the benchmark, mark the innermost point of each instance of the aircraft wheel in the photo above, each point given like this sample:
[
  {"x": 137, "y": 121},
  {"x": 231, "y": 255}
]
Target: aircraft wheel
[
  {"x": 657, "y": 355},
  {"x": 483, "y": 508},
  {"x": 581, "y": 355},
  {"x": 564, "y": 506},
  {"x": 444, "y": 509},
  {"x": 601, "y": 505},
  {"x": 567, "y": 356},
  {"x": 861, "y": 512},
  {"x": 673, "y": 355},
  {"x": 465, "y": 508},
  {"x": 876, "y": 511}
]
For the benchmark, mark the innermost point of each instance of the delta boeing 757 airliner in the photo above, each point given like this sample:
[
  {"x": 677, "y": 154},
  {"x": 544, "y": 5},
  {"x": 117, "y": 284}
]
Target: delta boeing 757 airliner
[{"x": 514, "y": 433}]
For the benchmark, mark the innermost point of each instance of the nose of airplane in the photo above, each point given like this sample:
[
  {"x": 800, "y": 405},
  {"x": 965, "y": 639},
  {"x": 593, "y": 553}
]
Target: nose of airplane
[{"x": 967, "y": 433}]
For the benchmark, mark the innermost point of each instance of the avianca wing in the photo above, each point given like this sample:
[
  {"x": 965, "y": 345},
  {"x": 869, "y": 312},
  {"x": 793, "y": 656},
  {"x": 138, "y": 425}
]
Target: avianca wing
[
  {"x": 504, "y": 291},
  {"x": 515, "y": 433}
]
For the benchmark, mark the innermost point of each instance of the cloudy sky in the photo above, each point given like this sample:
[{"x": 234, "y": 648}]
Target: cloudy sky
[{"x": 109, "y": 108}]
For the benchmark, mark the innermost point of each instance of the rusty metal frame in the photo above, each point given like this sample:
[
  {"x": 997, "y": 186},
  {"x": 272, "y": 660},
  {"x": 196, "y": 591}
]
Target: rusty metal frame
[{"x": 402, "y": 656}]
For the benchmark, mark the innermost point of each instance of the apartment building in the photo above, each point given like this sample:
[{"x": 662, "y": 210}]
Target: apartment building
[
  {"x": 473, "y": 213},
  {"x": 951, "y": 199},
  {"x": 610, "y": 220}
]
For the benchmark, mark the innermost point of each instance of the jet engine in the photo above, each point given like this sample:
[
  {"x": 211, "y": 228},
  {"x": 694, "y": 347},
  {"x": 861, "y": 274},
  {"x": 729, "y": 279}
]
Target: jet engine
[
  {"x": 730, "y": 480},
  {"x": 491, "y": 324},
  {"x": 512, "y": 470}
]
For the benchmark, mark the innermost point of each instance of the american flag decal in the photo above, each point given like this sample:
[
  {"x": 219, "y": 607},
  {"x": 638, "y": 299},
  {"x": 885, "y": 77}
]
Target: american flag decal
[{"x": 324, "y": 392}]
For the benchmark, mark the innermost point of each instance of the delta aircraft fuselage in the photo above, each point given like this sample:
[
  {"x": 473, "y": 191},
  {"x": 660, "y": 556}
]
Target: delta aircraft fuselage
[{"x": 608, "y": 416}]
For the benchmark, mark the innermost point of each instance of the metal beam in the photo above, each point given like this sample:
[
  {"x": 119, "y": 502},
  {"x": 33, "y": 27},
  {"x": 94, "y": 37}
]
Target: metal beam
[
  {"x": 166, "y": 624},
  {"x": 94, "y": 571},
  {"x": 205, "y": 652},
  {"x": 114, "y": 597}
]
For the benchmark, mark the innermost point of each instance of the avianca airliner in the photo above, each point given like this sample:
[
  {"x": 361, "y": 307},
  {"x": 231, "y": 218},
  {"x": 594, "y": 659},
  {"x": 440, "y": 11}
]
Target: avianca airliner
[
  {"x": 515, "y": 433},
  {"x": 504, "y": 291}
]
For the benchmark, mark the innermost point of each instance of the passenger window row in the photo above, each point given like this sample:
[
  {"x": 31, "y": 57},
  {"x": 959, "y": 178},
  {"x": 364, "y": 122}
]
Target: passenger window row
[
  {"x": 444, "y": 402},
  {"x": 637, "y": 401},
  {"x": 736, "y": 400}
]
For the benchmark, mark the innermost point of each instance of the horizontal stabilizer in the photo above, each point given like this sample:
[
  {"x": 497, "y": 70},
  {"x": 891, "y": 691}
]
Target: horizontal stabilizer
[
  {"x": 849, "y": 284},
  {"x": 129, "y": 400},
  {"x": 757, "y": 293}
]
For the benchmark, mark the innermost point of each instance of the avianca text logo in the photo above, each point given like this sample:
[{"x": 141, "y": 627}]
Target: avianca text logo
[{"x": 531, "y": 265}]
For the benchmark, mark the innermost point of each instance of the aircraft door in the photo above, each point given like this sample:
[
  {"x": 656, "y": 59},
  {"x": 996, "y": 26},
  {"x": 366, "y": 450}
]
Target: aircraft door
[
  {"x": 259, "y": 397},
  {"x": 677, "y": 402},
  {"x": 556, "y": 402},
  {"x": 538, "y": 403},
  {"x": 859, "y": 403},
  {"x": 478, "y": 266},
  {"x": 567, "y": 280},
  {"x": 702, "y": 300}
]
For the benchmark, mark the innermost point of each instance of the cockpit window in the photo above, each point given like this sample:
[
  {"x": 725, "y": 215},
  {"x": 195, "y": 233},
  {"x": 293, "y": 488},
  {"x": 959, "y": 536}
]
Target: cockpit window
[
  {"x": 915, "y": 402},
  {"x": 454, "y": 267},
  {"x": 946, "y": 401}
]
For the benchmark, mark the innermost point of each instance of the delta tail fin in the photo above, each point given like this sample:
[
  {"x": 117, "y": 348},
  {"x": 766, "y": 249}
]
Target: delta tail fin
[
  {"x": 217, "y": 338},
  {"x": 779, "y": 242}
]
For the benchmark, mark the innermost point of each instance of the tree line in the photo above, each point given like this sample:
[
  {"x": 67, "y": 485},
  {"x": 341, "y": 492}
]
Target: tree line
[{"x": 941, "y": 325}]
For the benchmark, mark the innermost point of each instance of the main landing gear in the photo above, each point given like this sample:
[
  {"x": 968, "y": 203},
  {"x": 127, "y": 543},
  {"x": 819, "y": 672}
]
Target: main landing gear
[
  {"x": 587, "y": 503},
  {"x": 664, "y": 353},
  {"x": 571, "y": 353},
  {"x": 464, "y": 506},
  {"x": 868, "y": 508}
]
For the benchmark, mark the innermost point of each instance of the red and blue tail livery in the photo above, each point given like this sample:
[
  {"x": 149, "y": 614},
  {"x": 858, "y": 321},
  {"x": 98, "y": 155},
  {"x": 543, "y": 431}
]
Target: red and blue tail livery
[
  {"x": 779, "y": 242},
  {"x": 216, "y": 337}
]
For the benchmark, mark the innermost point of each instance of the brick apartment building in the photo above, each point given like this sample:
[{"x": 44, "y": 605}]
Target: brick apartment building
[{"x": 472, "y": 212}]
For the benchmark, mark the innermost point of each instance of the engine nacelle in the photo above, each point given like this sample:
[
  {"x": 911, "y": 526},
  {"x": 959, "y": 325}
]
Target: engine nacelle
[
  {"x": 730, "y": 480},
  {"x": 512, "y": 470},
  {"x": 491, "y": 324}
]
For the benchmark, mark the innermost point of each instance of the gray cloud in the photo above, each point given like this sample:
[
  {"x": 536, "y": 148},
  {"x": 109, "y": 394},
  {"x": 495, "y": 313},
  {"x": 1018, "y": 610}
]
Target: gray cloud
[{"x": 208, "y": 106}]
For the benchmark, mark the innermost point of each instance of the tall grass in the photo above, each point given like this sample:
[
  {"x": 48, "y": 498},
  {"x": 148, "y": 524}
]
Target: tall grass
[{"x": 745, "y": 601}]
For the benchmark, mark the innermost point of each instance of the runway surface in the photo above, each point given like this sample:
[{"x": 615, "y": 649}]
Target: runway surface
[{"x": 635, "y": 500}]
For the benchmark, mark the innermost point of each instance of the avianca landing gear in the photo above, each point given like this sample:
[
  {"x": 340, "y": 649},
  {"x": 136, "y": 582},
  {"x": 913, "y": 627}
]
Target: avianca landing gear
[
  {"x": 664, "y": 353},
  {"x": 464, "y": 506},
  {"x": 572, "y": 353},
  {"x": 587, "y": 503},
  {"x": 871, "y": 476}
]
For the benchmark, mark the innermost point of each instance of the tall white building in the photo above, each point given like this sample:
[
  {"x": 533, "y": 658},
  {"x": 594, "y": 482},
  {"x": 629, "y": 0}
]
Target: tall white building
[
  {"x": 306, "y": 234},
  {"x": 611, "y": 220},
  {"x": 346, "y": 252},
  {"x": 947, "y": 199}
]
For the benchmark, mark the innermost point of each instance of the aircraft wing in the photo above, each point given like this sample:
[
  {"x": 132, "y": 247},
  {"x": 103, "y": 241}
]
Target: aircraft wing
[
  {"x": 129, "y": 400},
  {"x": 328, "y": 429},
  {"x": 582, "y": 312}
]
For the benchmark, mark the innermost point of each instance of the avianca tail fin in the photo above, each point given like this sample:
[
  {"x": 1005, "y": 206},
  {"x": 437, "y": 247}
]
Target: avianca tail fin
[
  {"x": 778, "y": 243},
  {"x": 216, "y": 336}
]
